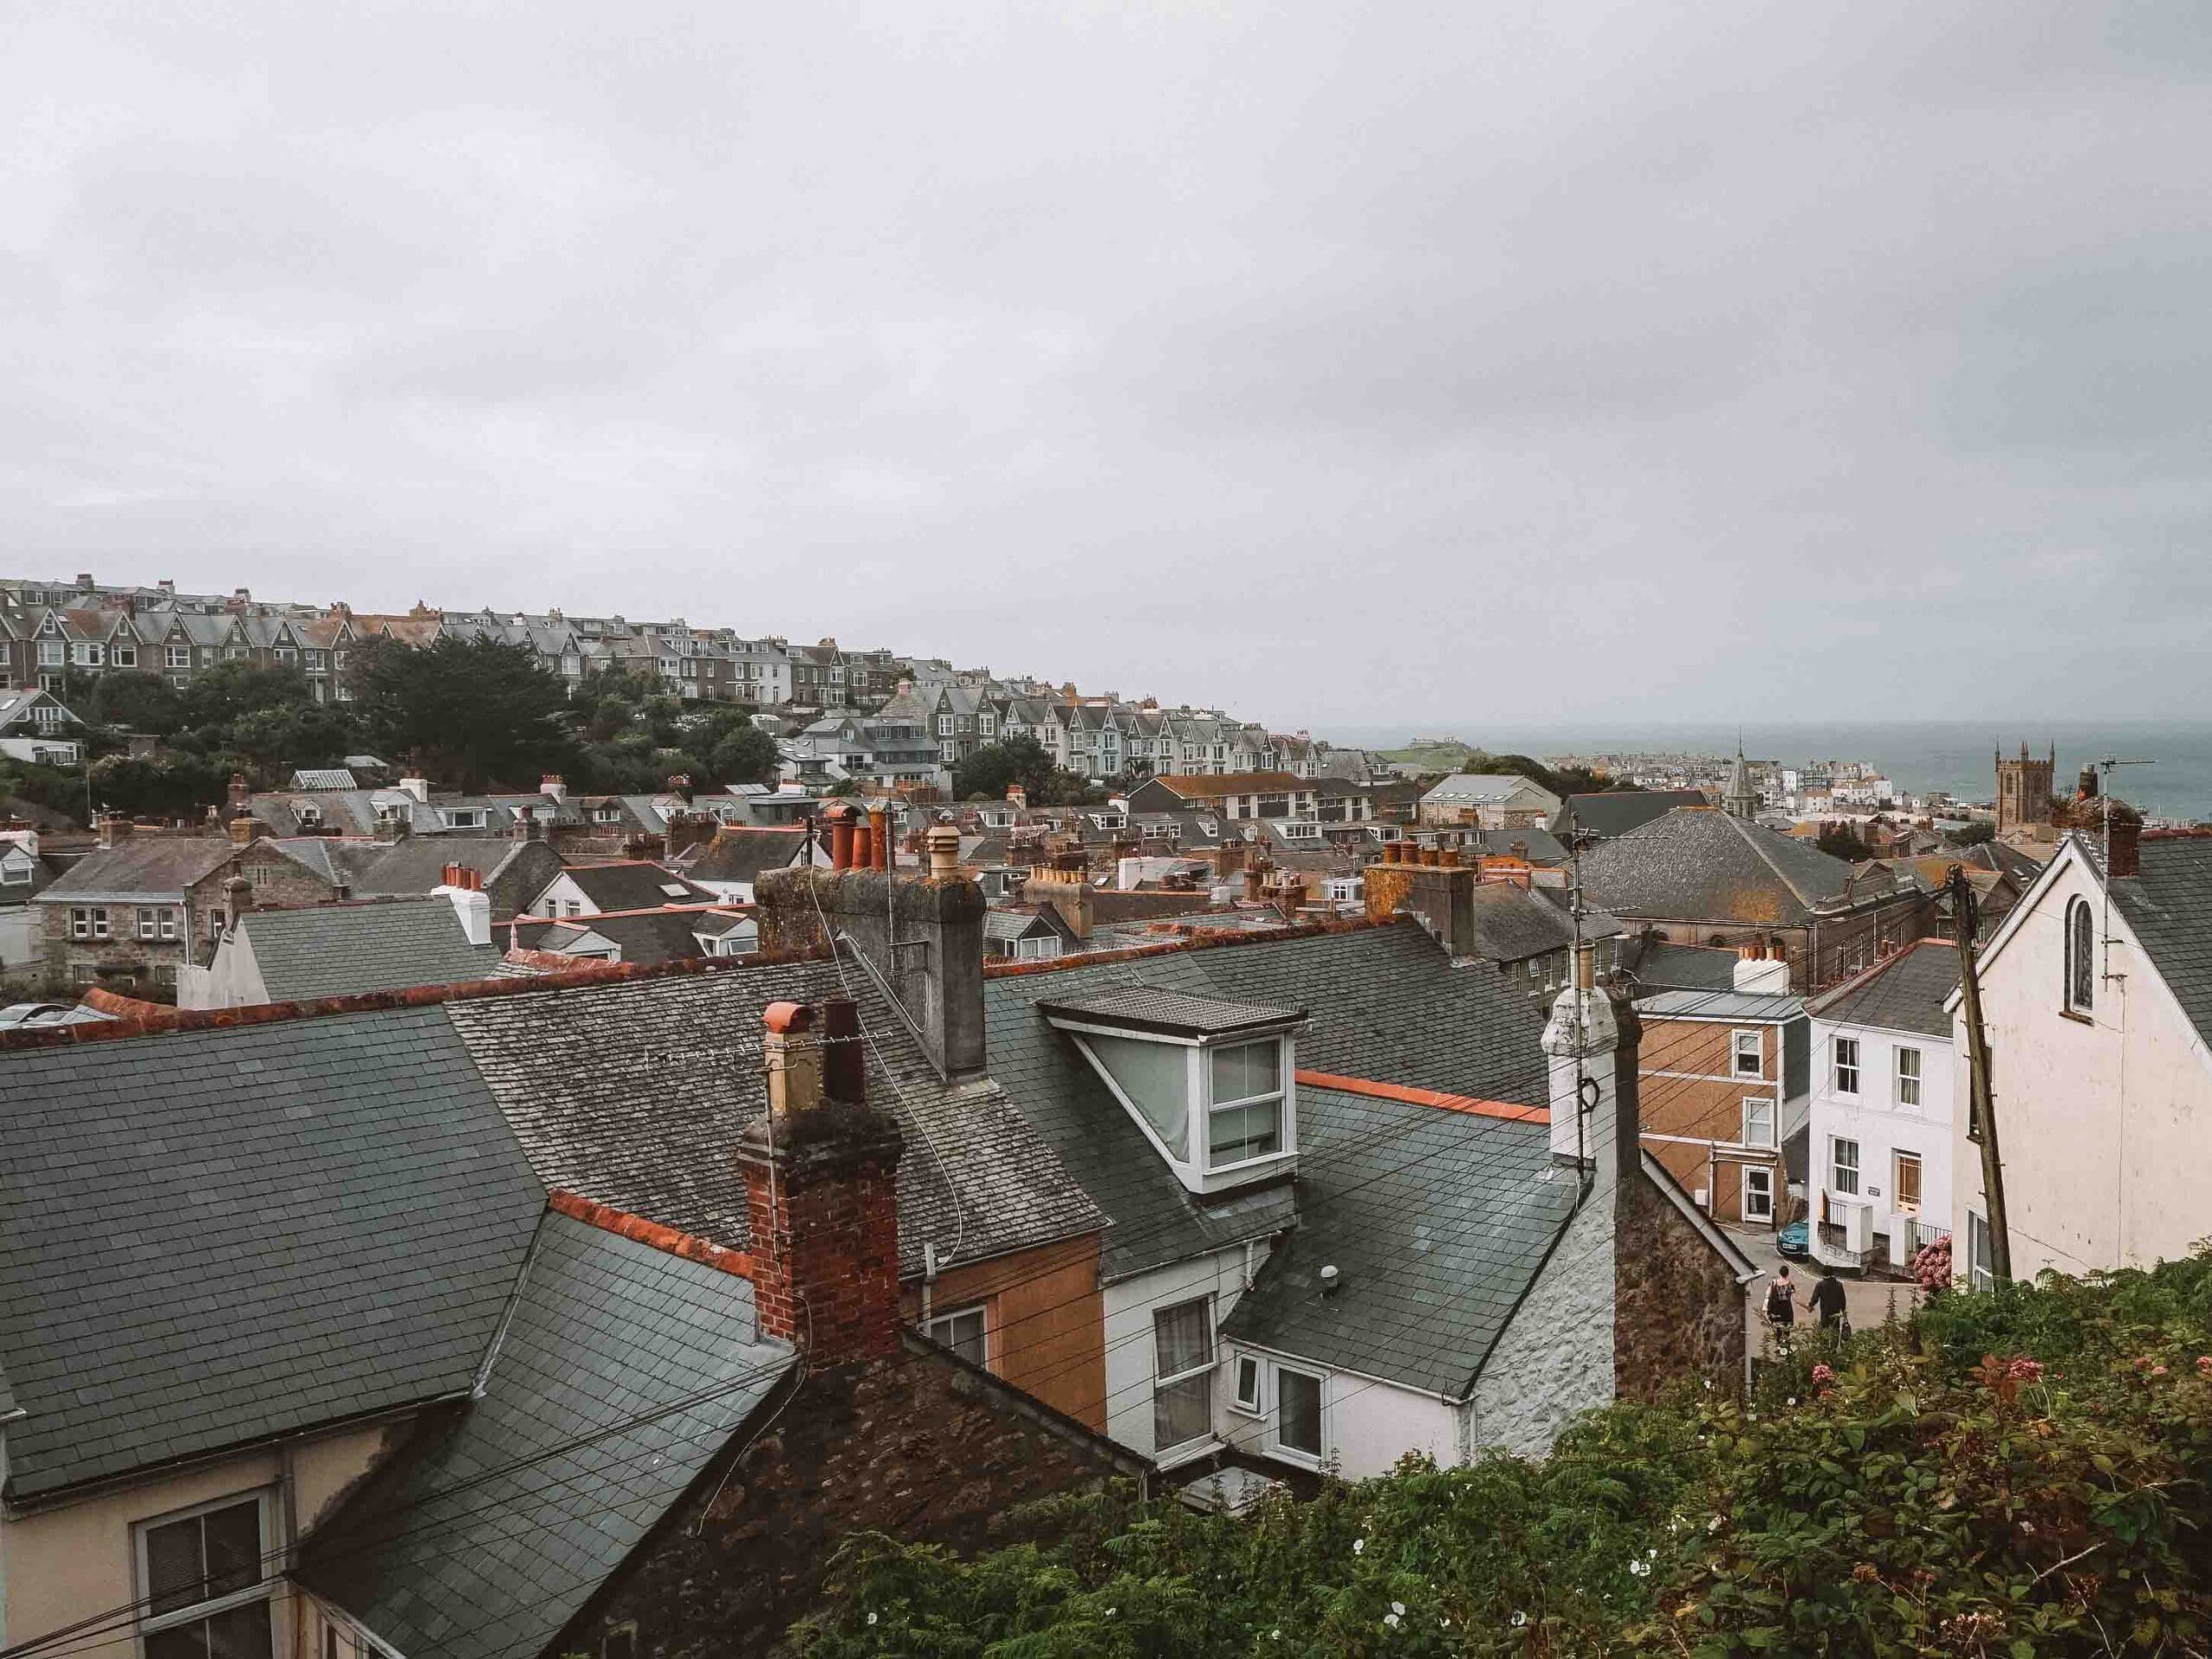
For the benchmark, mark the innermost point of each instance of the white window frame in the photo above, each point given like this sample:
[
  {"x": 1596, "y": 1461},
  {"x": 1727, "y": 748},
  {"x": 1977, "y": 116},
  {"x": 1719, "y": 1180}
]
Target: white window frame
[
  {"x": 1737, "y": 1057},
  {"x": 1765, "y": 1105},
  {"x": 265, "y": 1590},
  {"x": 16, "y": 872},
  {"x": 1981, "y": 1274},
  {"x": 1837, "y": 1166},
  {"x": 1842, "y": 1068},
  {"x": 1911, "y": 1089},
  {"x": 2081, "y": 987},
  {"x": 1247, "y": 1369},
  {"x": 1276, "y": 1371},
  {"x": 52, "y": 653},
  {"x": 148, "y": 919},
  {"x": 1163, "y": 1380},
  {"x": 1765, "y": 1210},
  {"x": 176, "y": 656},
  {"x": 979, "y": 1312},
  {"x": 1192, "y": 1161},
  {"x": 123, "y": 656}
]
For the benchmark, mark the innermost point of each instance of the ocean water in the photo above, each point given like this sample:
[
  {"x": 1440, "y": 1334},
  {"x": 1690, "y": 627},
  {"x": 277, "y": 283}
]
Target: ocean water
[{"x": 1953, "y": 755}]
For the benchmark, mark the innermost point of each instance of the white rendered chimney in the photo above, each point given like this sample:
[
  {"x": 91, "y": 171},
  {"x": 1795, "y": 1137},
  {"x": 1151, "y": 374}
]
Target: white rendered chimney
[
  {"x": 1582, "y": 1028},
  {"x": 474, "y": 907},
  {"x": 418, "y": 787},
  {"x": 1759, "y": 974}
]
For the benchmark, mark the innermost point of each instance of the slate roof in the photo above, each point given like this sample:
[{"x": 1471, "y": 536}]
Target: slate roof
[
  {"x": 417, "y": 864},
  {"x": 1385, "y": 1004},
  {"x": 1615, "y": 811},
  {"x": 1723, "y": 1007},
  {"x": 1511, "y": 923},
  {"x": 1480, "y": 788},
  {"x": 1905, "y": 993},
  {"x": 206, "y": 1237},
  {"x": 1659, "y": 965},
  {"x": 1142, "y": 1008},
  {"x": 344, "y": 949},
  {"x": 634, "y": 1095},
  {"x": 144, "y": 869},
  {"x": 1699, "y": 865},
  {"x": 635, "y": 887},
  {"x": 740, "y": 852},
  {"x": 466, "y": 1556},
  {"x": 2167, "y": 906},
  {"x": 1436, "y": 1220},
  {"x": 1539, "y": 846},
  {"x": 647, "y": 935},
  {"x": 323, "y": 777}
]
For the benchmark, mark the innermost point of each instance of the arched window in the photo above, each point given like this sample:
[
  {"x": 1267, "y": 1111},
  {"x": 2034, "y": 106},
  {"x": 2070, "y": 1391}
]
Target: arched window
[{"x": 2081, "y": 957}]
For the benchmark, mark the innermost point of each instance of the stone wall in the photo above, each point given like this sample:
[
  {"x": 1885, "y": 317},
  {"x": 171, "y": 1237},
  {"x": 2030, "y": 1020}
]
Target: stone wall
[
  {"x": 921, "y": 1447},
  {"x": 1677, "y": 1308},
  {"x": 1555, "y": 1359}
]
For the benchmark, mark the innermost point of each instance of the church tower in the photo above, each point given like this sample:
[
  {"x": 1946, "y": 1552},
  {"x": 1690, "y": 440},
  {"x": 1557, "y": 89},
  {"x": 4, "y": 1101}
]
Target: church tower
[
  {"x": 1742, "y": 801},
  {"x": 2024, "y": 789}
]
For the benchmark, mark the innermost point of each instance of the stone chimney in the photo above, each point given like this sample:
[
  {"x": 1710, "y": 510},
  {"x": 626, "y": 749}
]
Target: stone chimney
[
  {"x": 112, "y": 828},
  {"x": 240, "y": 798},
  {"x": 921, "y": 936},
  {"x": 1017, "y": 795},
  {"x": 2109, "y": 822},
  {"x": 237, "y": 897},
  {"x": 820, "y": 1168},
  {"x": 553, "y": 786},
  {"x": 679, "y": 785},
  {"x": 243, "y": 829},
  {"x": 1068, "y": 892}
]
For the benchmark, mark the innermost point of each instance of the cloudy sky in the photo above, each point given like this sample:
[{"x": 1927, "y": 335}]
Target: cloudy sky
[{"x": 1349, "y": 364}]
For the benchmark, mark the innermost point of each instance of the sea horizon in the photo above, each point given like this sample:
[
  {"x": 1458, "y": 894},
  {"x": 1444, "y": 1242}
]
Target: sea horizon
[{"x": 1954, "y": 756}]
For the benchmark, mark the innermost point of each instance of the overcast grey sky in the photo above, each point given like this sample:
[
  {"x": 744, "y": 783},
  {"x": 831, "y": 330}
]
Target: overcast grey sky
[{"x": 1346, "y": 365}]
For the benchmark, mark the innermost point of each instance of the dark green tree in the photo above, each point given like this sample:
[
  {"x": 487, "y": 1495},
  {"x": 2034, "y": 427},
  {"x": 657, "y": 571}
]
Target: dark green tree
[
  {"x": 745, "y": 755},
  {"x": 220, "y": 696},
  {"x": 988, "y": 772},
  {"x": 1841, "y": 841},
  {"x": 1971, "y": 835},
  {"x": 471, "y": 712}
]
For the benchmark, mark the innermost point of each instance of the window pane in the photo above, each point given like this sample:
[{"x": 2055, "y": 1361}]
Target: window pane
[
  {"x": 233, "y": 1548},
  {"x": 963, "y": 1332},
  {"x": 241, "y": 1633},
  {"x": 1182, "y": 1338},
  {"x": 1156, "y": 1078},
  {"x": 1298, "y": 1412},
  {"x": 1248, "y": 1383},
  {"x": 1236, "y": 1133},
  {"x": 1246, "y": 1070},
  {"x": 1182, "y": 1411},
  {"x": 173, "y": 1565}
]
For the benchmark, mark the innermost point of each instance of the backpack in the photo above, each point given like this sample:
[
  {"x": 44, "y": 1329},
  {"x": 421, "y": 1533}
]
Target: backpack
[{"x": 1777, "y": 1301}]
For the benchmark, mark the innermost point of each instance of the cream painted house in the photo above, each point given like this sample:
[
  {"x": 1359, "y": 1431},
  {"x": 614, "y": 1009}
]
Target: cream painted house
[{"x": 2096, "y": 996}]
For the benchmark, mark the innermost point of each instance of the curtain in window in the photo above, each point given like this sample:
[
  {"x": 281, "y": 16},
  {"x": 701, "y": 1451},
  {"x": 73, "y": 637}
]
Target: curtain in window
[
  {"x": 1156, "y": 1078},
  {"x": 1182, "y": 1342},
  {"x": 1246, "y": 1070}
]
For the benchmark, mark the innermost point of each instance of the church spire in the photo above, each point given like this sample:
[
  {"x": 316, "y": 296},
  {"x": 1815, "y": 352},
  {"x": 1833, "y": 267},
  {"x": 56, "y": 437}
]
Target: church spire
[{"x": 1742, "y": 801}]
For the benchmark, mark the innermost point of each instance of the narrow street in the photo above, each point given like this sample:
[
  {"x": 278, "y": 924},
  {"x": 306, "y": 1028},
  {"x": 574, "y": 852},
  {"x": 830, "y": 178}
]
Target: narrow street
[{"x": 1869, "y": 1300}]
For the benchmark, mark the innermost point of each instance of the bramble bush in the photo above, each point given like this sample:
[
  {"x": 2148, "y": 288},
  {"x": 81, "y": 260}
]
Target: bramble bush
[{"x": 2014, "y": 1473}]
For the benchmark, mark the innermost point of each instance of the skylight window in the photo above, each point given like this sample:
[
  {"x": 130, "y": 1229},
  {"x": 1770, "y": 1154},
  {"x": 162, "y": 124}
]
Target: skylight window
[{"x": 674, "y": 889}]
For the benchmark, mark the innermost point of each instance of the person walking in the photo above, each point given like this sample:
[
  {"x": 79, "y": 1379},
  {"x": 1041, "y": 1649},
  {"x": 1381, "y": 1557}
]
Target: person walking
[
  {"x": 1827, "y": 1303},
  {"x": 1782, "y": 1301}
]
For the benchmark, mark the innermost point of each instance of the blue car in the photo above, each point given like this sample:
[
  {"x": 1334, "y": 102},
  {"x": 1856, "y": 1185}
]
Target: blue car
[{"x": 1790, "y": 1241}]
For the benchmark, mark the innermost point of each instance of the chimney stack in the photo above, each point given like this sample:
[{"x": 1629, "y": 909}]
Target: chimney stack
[
  {"x": 1596, "y": 1129},
  {"x": 237, "y": 896},
  {"x": 243, "y": 831},
  {"x": 463, "y": 889},
  {"x": 840, "y": 815},
  {"x": 240, "y": 797},
  {"x": 553, "y": 786},
  {"x": 944, "y": 843},
  {"x": 822, "y": 1194},
  {"x": 879, "y": 819}
]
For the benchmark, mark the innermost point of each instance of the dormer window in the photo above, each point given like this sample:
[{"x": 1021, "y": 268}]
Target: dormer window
[{"x": 1212, "y": 1082}]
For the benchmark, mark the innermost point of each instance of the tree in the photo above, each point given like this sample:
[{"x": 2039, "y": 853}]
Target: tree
[
  {"x": 1971, "y": 835},
  {"x": 986, "y": 773},
  {"x": 1841, "y": 841},
  {"x": 746, "y": 755},
  {"x": 220, "y": 696},
  {"x": 471, "y": 712},
  {"x": 132, "y": 702},
  {"x": 161, "y": 786}
]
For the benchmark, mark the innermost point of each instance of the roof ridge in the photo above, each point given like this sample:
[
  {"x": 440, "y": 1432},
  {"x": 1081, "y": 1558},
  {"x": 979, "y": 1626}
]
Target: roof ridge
[
  {"x": 670, "y": 1241},
  {"x": 164, "y": 1019},
  {"x": 1202, "y": 938},
  {"x": 1416, "y": 1097}
]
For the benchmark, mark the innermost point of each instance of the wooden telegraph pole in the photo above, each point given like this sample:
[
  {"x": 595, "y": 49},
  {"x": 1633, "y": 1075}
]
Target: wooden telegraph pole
[{"x": 1965, "y": 915}]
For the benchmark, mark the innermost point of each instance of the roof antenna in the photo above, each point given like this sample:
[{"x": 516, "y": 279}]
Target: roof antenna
[{"x": 2104, "y": 763}]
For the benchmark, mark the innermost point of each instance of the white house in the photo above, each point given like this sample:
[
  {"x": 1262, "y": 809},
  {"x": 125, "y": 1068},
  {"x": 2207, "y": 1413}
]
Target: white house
[
  {"x": 31, "y": 724},
  {"x": 1879, "y": 1151},
  {"x": 2096, "y": 996}
]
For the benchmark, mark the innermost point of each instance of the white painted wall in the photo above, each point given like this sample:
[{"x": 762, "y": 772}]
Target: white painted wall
[
  {"x": 20, "y": 943},
  {"x": 2105, "y": 1122},
  {"x": 1882, "y": 1127},
  {"x": 1366, "y": 1425},
  {"x": 1129, "y": 1306}
]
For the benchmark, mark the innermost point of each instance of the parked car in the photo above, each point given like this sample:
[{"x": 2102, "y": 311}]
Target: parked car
[{"x": 1791, "y": 1241}]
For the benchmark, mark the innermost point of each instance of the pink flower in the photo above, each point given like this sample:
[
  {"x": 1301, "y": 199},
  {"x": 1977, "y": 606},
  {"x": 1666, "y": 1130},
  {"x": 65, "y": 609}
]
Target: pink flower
[
  {"x": 2204, "y": 1365},
  {"x": 1823, "y": 1373},
  {"x": 2158, "y": 1370},
  {"x": 2024, "y": 1370}
]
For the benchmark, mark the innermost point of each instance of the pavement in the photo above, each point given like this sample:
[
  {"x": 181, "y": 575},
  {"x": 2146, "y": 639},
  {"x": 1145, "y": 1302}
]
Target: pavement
[{"x": 1867, "y": 1301}]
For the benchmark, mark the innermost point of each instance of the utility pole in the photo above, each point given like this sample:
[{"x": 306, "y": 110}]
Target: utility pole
[{"x": 1965, "y": 916}]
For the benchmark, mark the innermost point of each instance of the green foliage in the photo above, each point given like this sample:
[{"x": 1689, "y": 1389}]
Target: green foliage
[
  {"x": 1841, "y": 841},
  {"x": 473, "y": 712},
  {"x": 1970, "y": 835},
  {"x": 1908, "y": 1492},
  {"x": 988, "y": 772},
  {"x": 224, "y": 694},
  {"x": 172, "y": 785}
]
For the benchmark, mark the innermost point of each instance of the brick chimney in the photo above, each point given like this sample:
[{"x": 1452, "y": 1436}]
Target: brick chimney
[
  {"x": 820, "y": 1168},
  {"x": 922, "y": 936},
  {"x": 2108, "y": 821},
  {"x": 240, "y": 797}
]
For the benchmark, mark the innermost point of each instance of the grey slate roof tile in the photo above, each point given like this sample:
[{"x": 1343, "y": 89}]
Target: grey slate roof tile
[
  {"x": 1698, "y": 864},
  {"x": 344, "y": 949},
  {"x": 161, "y": 1239},
  {"x": 1905, "y": 992},
  {"x": 1436, "y": 1222},
  {"x": 634, "y": 1095},
  {"x": 2167, "y": 906},
  {"x": 606, "y": 1332}
]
